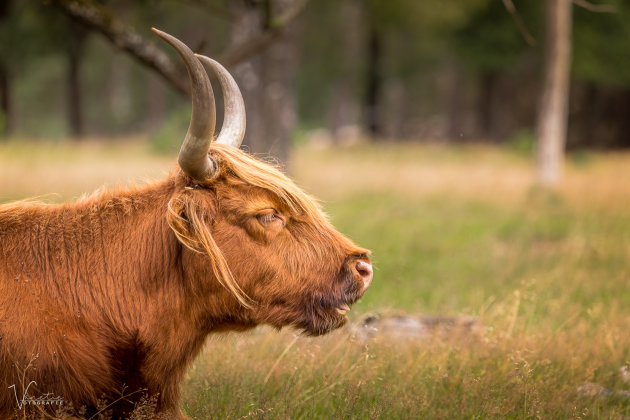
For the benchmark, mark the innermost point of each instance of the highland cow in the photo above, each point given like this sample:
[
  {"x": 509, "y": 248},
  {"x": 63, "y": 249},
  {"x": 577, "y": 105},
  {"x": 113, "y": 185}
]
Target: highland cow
[{"x": 117, "y": 292}]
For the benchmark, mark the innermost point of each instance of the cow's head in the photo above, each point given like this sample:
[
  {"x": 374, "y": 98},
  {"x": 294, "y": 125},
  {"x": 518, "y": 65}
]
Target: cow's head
[{"x": 256, "y": 241}]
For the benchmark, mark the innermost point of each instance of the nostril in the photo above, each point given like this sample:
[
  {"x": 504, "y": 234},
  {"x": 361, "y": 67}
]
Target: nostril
[
  {"x": 363, "y": 268},
  {"x": 365, "y": 271}
]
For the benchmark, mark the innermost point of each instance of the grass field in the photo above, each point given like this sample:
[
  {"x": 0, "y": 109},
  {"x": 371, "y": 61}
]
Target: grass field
[{"x": 454, "y": 230}]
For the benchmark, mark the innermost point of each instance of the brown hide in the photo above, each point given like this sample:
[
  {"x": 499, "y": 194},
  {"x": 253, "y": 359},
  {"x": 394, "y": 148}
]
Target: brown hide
[{"x": 117, "y": 292}]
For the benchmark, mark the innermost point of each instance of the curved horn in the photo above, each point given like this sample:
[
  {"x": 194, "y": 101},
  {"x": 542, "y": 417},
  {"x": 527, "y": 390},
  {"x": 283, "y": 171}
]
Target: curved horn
[
  {"x": 193, "y": 155},
  {"x": 234, "y": 119}
]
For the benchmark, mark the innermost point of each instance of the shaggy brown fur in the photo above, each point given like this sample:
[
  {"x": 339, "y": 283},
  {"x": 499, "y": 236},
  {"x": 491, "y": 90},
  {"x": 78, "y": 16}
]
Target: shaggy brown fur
[{"x": 119, "y": 290}]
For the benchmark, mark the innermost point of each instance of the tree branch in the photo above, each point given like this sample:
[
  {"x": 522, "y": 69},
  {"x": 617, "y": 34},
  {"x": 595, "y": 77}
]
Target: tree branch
[
  {"x": 259, "y": 42},
  {"x": 597, "y": 8},
  {"x": 527, "y": 36},
  {"x": 212, "y": 9},
  {"x": 123, "y": 37}
]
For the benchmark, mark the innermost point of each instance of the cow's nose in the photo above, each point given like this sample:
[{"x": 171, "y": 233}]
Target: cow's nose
[{"x": 365, "y": 272}]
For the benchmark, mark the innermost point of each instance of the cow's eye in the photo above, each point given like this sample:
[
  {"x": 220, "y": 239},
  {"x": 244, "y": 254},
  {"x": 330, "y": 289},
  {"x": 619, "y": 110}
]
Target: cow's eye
[{"x": 271, "y": 218}]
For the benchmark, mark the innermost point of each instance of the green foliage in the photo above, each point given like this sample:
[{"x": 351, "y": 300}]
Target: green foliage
[
  {"x": 430, "y": 25},
  {"x": 417, "y": 38},
  {"x": 168, "y": 138},
  {"x": 423, "y": 15},
  {"x": 22, "y": 34},
  {"x": 491, "y": 41},
  {"x": 600, "y": 45},
  {"x": 580, "y": 158},
  {"x": 42, "y": 115},
  {"x": 3, "y": 122},
  {"x": 522, "y": 142}
]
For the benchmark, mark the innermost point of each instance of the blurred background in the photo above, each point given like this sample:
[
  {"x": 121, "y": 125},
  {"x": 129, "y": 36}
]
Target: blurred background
[
  {"x": 477, "y": 147},
  {"x": 449, "y": 70}
]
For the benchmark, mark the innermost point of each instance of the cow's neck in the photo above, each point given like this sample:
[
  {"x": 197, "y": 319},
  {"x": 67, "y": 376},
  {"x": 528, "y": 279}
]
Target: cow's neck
[{"x": 110, "y": 257}]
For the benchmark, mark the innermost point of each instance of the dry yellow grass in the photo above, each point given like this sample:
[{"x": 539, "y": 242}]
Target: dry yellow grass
[
  {"x": 469, "y": 171},
  {"x": 61, "y": 171},
  {"x": 34, "y": 168}
]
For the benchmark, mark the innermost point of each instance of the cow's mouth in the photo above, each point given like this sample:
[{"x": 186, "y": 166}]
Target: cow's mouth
[
  {"x": 325, "y": 323},
  {"x": 324, "y": 314},
  {"x": 342, "y": 309},
  {"x": 317, "y": 312}
]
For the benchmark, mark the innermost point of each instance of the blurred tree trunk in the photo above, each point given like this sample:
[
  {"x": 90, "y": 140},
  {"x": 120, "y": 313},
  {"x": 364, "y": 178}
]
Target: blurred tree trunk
[
  {"x": 395, "y": 105},
  {"x": 455, "y": 128},
  {"x": 6, "y": 106},
  {"x": 485, "y": 108},
  {"x": 623, "y": 121},
  {"x": 247, "y": 73},
  {"x": 374, "y": 76},
  {"x": 156, "y": 102},
  {"x": 343, "y": 112},
  {"x": 553, "y": 112},
  {"x": 268, "y": 80},
  {"x": 278, "y": 70},
  {"x": 119, "y": 91},
  {"x": 74, "y": 55},
  {"x": 75, "y": 114},
  {"x": 591, "y": 104}
]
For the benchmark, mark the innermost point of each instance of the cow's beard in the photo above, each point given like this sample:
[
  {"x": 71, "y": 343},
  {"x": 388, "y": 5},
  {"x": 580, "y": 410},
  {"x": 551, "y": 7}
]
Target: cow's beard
[
  {"x": 317, "y": 312},
  {"x": 321, "y": 321}
]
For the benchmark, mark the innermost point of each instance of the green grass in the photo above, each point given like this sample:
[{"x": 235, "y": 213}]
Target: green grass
[{"x": 453, "y": 230}]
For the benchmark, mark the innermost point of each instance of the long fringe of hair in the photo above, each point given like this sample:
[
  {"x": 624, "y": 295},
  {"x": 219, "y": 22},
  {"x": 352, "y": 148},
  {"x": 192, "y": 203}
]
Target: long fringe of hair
[
  {"x": 238, "y": 164},
  {"x": 194, "y": 233}
]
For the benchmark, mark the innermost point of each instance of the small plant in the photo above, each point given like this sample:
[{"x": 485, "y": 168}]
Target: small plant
[{"x": 522, "y": 142}]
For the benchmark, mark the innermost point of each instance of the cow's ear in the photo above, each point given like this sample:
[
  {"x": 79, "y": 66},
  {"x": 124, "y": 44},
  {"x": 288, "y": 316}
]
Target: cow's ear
[
  {"x": 189, "y": 213},
  {"x": 178, "y": 218}
]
